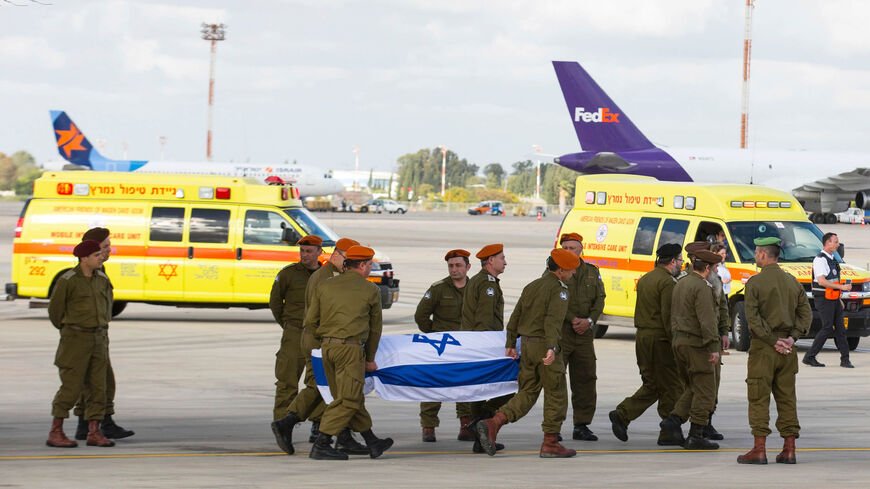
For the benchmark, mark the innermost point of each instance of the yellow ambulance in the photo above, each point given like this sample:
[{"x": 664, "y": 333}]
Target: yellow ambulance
[
  {"x": 202, "y": 241},
  {"x": 624, "y": 218}
]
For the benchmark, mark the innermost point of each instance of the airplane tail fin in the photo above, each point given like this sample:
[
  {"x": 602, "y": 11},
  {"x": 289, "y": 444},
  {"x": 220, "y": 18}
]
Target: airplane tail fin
[
  {"x": 599, "y": 123},
  {"x": 72, "y": 144}
]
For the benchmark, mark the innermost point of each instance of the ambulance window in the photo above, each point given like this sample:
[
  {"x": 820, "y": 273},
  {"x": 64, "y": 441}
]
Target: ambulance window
[
  {"x": 209, "y": 225},
  {"x": 263, "y": 227},
  {"x": 167, "y": 223},
  {"x": 645, "y": 237},
  {"x": 674, "y": 231}
]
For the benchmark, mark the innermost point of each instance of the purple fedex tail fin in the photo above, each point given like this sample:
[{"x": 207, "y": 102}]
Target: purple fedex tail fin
[{"x": 599, "y": 123}]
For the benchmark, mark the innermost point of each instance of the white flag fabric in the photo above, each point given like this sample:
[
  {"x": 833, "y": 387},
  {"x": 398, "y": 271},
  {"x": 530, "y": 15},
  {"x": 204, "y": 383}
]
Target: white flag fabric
[{"x": 459, "y": 366}]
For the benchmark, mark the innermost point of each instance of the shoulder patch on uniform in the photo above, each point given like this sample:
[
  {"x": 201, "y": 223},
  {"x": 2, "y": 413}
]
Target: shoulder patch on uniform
[
  {"x": 102, "y": 274},
  {"x": 68, "y": 275},
  {"x": 490, "y": 278},
  {"x": 563, "y": 295},
  {"x": 427, "y": 295},
  {"x": 490, "y": 291}
]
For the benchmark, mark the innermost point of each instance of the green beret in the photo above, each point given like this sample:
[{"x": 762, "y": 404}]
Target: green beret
[{"x": 768, "y": 241}]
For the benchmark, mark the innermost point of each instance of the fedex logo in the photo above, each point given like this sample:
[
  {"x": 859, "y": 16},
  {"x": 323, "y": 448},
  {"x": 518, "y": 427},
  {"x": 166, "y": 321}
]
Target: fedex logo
[{"x": 603, "y": 114}]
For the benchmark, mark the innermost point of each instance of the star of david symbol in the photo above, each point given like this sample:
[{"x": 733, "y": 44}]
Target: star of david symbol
[
  {"x": 439, "y": 345},
  {"x": 167, "y": 271}
]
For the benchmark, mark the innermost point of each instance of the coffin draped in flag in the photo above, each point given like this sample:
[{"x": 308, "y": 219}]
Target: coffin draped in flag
[{"x": 450, "y": 366}]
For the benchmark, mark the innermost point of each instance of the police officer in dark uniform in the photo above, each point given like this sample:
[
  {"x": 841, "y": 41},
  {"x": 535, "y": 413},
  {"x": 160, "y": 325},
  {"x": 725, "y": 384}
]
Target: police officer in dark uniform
[
  {"x": 826, "y": 297},
  {"x": 440, "y": 309}
]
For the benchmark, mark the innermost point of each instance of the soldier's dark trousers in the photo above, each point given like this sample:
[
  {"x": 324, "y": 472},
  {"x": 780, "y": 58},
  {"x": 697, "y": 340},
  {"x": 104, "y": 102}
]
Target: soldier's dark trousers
[
  {"x": 534, "y": 376},
  {"x": 661, "y": 380},
  {"x": 289, "y": 364},
  {"x": 578, "y": 352},
  {"x": 429, "y": 413},
  {"x": 81, "y": 359},
  {"x": 831, "y": 314},
  {"x": 771, "y": 372},
  {"x": 699, "y": 399},
  {"x": 308, "y": 404},
  {"x": 344, "y": 366}
]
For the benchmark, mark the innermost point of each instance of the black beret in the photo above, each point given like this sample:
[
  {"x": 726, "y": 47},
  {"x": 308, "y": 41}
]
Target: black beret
[{"x": 670, "y": 250}]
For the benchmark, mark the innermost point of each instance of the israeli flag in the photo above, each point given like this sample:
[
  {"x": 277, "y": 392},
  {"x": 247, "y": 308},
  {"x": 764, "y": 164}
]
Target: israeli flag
[{"x": 459, "y": 366}]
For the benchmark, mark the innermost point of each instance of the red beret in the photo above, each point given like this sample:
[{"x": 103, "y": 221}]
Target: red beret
[
  {"x": 360, "y": 253},
  {"x": 88, "y": 246},
  {"x": 490, "y": 250},
  {"x": 565, "y": 259},
  {"x": 570, "y": 237},
  {"x": 345, "y": 244},
  {"x": 310, "y": 240},
  {"x": 456, "y": 254},
  {"x": 96, "y": 234}
]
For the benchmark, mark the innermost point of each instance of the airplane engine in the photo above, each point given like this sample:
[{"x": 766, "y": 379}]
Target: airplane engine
[{"x": 862, "y": 199}]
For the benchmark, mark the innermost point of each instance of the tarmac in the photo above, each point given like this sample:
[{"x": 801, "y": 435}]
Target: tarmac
[{"x": 197, "y": 387}]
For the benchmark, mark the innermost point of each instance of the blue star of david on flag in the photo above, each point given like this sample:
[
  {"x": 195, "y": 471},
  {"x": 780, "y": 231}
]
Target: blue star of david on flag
[{"x": 439, "y": 345}]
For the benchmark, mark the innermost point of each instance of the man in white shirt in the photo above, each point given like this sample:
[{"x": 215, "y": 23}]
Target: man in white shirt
[{"x": 826, "y": 297}]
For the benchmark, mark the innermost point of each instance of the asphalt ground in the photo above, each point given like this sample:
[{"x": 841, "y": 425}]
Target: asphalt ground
[{"x": 196, "y": 385}]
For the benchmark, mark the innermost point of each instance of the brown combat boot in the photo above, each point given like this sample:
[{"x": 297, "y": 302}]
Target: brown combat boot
[
  {"x": 429, "y": 434},
  {"x": 757, "y": 455},
  {"x": 95, "y": 436},
  {"x": 464, "y": 434},
  {"x": 787, "y": 456},
  {"x": 57, "y": 438},
  {"x": 551, "y": 448},
  {"x": 486, "y": 431}
]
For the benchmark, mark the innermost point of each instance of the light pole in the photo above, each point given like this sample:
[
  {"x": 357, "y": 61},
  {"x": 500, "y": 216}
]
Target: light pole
[
  {"x": 538, "y": 171},
  {"x": 443, "y": 169},
  {"x": 212, "y": 33},
  {"x": 356, "y": 168},
  {"x": 162, "y": 140}
]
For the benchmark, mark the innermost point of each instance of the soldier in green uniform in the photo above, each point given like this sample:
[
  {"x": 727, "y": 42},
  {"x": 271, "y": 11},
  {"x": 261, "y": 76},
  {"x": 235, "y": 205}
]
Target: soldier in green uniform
[
  {"x": 287, "y": 302},
  {"x": 440, "y": 309},
  {"x": 659, "y": 375},
  {"x": 537, "y": 320},
  {"x": 696, "y": 346},
  {"x": 345, "y": 313},
  {"x": 308, "y": 404},
  {"x": 778, "y": 313},
  {"x": 80, "y": 307},
  {"x": 585, "y": 304},
  {"x": 108, "y": 426}
]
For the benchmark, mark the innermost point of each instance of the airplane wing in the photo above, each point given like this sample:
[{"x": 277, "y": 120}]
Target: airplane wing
[
  {"x": 833, "y": 193},
  {"x": 852, "y": 182}
]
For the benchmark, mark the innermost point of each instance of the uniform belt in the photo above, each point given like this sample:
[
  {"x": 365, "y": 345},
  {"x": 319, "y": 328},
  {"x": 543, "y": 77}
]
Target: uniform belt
[
  {"x": 534, "y": 339},
  {"x": 87, "y": 330},
  {"x": 345, "y": 341}
]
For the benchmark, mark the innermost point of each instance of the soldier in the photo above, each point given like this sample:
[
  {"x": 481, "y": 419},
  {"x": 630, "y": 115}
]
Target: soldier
[
  {"x": 537, "y": 320},
  {"x": 778, "y": 313},
  {"x": 108, "y": 426},
  {"x": 440, "y": 309},
  {"x": 345, "y": 312},
  {"x": 655, "y": 358},
  {"x": 287, "y": 302},
  {"x": 585, "y": 304},
  {"x": 696, "y": 347},
  {"x": 80, "y": 307},
  {"x": 308, "y": 404}
]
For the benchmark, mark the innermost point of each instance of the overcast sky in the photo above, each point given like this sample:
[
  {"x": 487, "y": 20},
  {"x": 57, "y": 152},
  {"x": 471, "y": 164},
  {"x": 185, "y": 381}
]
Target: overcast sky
[{"x": 311, "y": 79}]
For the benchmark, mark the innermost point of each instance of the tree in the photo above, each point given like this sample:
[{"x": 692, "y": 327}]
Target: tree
[
  {"x": 371, "y": 178},
  {"x": 424, "y": 167},
  {"x": 494, "y": 174},
  {"x": 558, "y": 177},
  {"x": 8, "y": 172},
  {"x": 522, "y": 179},
  {"x": 457, "y": 194},
  {"x": 24, "y": 183}
]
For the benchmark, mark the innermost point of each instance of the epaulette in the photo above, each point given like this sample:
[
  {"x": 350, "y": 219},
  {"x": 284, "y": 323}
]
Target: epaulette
[
  {"x": 490, "y": 278},
  {"x": 437, "y": 283},
  {"x": 102, "y": 274},
  {"x": 69, "y": 274}
]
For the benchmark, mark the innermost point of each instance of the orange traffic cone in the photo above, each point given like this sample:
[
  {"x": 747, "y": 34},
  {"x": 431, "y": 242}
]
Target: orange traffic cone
[{"x": 539, "y": 215}]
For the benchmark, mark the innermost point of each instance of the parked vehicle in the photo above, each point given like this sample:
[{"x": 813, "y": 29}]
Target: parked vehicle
[
  {"x": 386, "y": 205},
  {"x": 491, "y": 207}
]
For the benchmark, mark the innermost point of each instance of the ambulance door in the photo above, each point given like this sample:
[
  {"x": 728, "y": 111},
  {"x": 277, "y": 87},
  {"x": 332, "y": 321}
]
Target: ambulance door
[
  {"x": 165, "y": 254},
  {"x": 260, "y": 253},
  {"x": 641, "y": 260},
  {"x": 209, "y": 271},
  {"x": 673, "y": 231}
]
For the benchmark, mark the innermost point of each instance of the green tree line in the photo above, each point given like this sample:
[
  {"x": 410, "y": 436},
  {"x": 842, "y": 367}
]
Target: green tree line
[{"x": 17, "y": 172}]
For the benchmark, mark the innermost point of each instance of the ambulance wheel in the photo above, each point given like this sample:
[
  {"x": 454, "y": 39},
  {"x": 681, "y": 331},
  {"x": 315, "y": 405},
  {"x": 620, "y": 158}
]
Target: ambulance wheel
[
  {"x": 599, "y": 330},
  {"x": 118, "y": 307},
  {"x": 740, "y": 335},
  {"x": 853, "y": 342}
]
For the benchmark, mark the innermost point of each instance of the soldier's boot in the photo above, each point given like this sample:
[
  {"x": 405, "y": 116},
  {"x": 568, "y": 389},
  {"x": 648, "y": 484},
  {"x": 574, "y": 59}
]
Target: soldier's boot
[
  {"x": 787, "y": 455},
  {"x": 619, "y": 427},
  {"x": 315, "y": 430},
  {"x": 582, "y": 432},
  {"x": 346, "y": 443},
  {"x": 551, "y": 448},
  {"x": 283, "y": 431},
  {"x": 377, "y": 446},
  {"x": 476, "y": 448},
  {"x": 323, "y": 450},
  {"x": 429, "y": 434},
  {"x": 672, "y": 425},
  {"x": 666, "y": 441},
  {"x": 464, "y": 434},
  {"x": 710, "y": 432},
  {"x": 56, "y": 436},
  {"x": 82, "y": 429},
  {"x": 758, "y": 454},
  {"x": 486, "y": 431},
  {"x": 95, "y": 436},
  {"x": 696, "y": 440},
  {"x": 112, "y": 430}
]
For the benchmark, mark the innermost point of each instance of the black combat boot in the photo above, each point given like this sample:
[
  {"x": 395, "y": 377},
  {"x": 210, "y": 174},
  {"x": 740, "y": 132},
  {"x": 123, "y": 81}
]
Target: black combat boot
[
  {"x": 582, "y": 432},
  {"x": 665, "y": 439},
  {"x": 322, "y": 449},
  {"x": 619, "y": 427},
  {"x": 346, "y": 443},
  {"x": 377, "y": 446},
  {"x": 315, "y": 430},
  {"x": 672, "y": 425},
  {"x": 696, "y": 440},
  {"x": 710, "y": 432},
  {"x": 82, "y": 429},
  {"x": 111, "y": 430},
  {"x": 283, "y": 431}
]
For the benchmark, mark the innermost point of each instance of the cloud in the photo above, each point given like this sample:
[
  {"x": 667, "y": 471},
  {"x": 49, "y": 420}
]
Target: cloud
[
  {"x": 143, "y": 55},
  {"x": 846, "y": 24},
  {"x": 26, "y": 49}
]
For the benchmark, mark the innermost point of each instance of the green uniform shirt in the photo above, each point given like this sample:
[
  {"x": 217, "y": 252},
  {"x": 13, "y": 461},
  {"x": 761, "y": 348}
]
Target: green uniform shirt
[
  {"x": 776, "y": 305},
  {"x": 653, "y": 306},
  {"x": 540, "y": 311},
  {"x": 347, "y": 307},
  {"x": 693, "y": 311},
  {"x": 287, "y": 300},
  {"x": 483, "y": 304},
  {"x": 76, "y": 300},
  {"x": 440, "y": 309},
  {"x": 585, "y": 294},
  {"x": 328, "y": 270}
]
